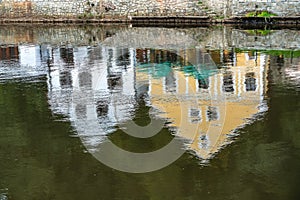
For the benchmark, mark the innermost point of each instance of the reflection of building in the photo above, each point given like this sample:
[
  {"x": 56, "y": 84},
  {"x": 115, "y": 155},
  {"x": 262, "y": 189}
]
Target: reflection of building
[
  {"x": 9, "y": 52},
  {"x": 95, "y": 89},
  {"x": 23, "y": 61},
  {"x": 26, "y": 55},
  {"x": 98, "y": 90},
  {"x": 206, "y": 110},
  {"x": 285, "y": 68},
  {"x": 30, "y": 55}
]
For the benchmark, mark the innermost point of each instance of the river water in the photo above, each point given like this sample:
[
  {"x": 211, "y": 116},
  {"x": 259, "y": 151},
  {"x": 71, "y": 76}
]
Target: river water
[{"x": 227, "y": 99}]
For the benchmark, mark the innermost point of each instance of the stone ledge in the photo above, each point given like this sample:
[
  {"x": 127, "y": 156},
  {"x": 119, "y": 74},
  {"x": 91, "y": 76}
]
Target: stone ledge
[
  {"x": 62, "y": 20},
  {"x": 169, "y": 20},
  {"x": 160, "y": 20}
]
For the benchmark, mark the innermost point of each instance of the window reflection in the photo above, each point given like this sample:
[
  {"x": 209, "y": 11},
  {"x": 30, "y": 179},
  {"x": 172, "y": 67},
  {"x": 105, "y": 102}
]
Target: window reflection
[
  {"x": 250, "y": 82},
  {"x": 228, "y": 82},
  {"x": 65, "y": 79},
  {"x": 114, "y": 81},
  {"x": 95, "y": 55},
  {"x": 195, "y": 115},
  {"x": 123, "y": 57},
  {"x": 212, "y": 113},
  {"x": 203, "y": 83},
  {"x": 280, "y": 61},
  {"x": 114, "y": 77},
  {"x": 102, "y": 108},
  {"x": 80, "y": 111},
  {"x": 170, "y": 82},
  {"x": 46, "y": 54},
  {"x": 10, "y": 52},
  {"x": 203, "y": 141},
  {"x": 67, "y": 55},
  {"x": 85, "y": 80}
]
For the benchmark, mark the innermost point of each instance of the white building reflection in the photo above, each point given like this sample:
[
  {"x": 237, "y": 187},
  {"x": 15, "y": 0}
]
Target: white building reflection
[
  {"x": 94, "y": 88},
  {"x": 21, "y": 61},
  {"x": 30, "y": 55}
]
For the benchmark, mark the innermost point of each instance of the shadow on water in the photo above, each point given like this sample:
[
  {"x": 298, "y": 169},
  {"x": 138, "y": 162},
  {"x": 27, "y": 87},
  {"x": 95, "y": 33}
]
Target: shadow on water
[{"x": 58, "y": 103}]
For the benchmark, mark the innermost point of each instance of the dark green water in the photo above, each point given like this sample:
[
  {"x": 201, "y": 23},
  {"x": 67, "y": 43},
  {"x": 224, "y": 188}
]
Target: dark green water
[{"x": 43, "y": 157}]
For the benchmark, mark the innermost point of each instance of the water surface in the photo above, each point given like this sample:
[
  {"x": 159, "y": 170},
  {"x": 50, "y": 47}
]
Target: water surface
[{"x": 235, "y": 112}]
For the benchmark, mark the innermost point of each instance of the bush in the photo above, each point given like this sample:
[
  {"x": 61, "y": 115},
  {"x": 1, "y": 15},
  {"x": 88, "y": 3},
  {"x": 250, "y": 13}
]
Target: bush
[{"x": 260, "y": 14}]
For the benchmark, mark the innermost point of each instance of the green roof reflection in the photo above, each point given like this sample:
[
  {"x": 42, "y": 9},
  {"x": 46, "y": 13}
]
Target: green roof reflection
[
  {"x": 159, "y": 70},
  {"x": 156, "y": 70}
]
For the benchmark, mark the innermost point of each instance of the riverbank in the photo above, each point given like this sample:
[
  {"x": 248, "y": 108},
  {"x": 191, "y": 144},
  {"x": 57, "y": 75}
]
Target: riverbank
[{"x": 162, "y": 20}]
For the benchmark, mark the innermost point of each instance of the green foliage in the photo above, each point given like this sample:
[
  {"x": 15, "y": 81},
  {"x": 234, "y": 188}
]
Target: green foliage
[
  {"x": 219, "y": 17},
  {"x": 260, "y": 14},
  {"x": 259, "y": 32},
  {"x": 285, "y": 53}
]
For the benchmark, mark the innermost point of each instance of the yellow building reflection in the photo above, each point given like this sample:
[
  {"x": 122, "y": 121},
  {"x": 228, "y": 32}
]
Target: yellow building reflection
[{"x": 206, "y": 111}]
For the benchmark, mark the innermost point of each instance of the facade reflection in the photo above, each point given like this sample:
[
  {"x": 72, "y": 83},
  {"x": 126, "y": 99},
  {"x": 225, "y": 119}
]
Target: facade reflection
[
  {"x": 224, "y": 101},
  {"x": 99, "y": 95},
  {"x": 98, "y": 91},
  {"x": 99, "y": 88}
]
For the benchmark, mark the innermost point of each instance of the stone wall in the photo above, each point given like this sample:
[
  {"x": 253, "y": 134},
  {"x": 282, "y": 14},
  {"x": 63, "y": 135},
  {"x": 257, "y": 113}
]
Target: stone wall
[
  {"x": 275, "y": 40},
  {"x": 279, "y": 7},
  {"x": 92, "y": 8},
  {"x": 240, "y": 7},
  {"x": 227, "y": 38},
  {"x": 152, "y": 38},
  {"x": 58, "y": 7},
  {"x": 20, "y": 8},
  {"x": 57, "y": 35},
  {"x": 221, "y": 7},
  {"x": 157, "y": 7}
]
